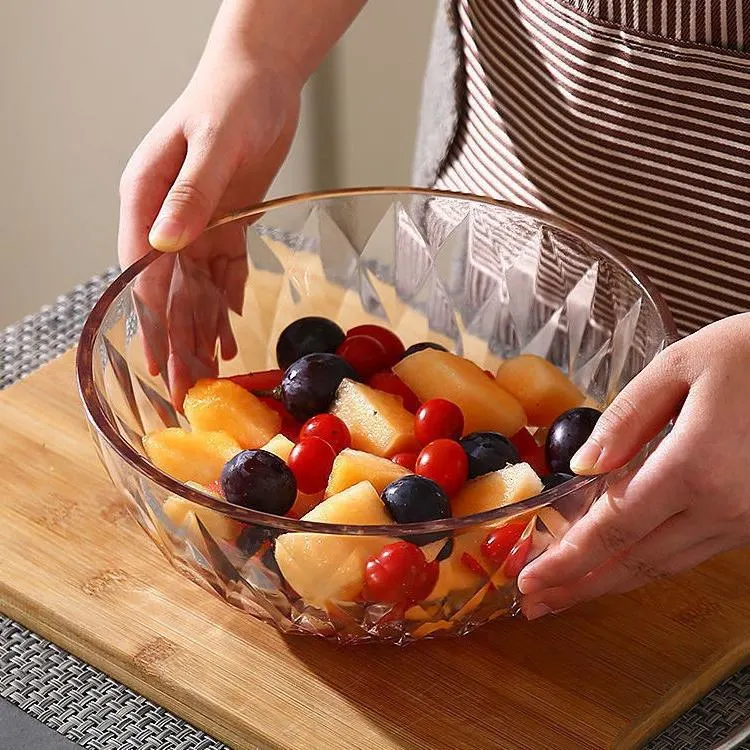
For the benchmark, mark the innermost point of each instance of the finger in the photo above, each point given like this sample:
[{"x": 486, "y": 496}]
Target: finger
[
  {"x": 143, "y": 186},
  {"x": 228, "y": 345},
  {"x": 648, "y": 560},
  {"x": 234, "y": 248},
  {"x": 191, "y": 201},
  {"x": 628, "y": 511},
  {"x": 638, "y": 413},
  {"x": 536, "y": 607},
  {"x": 684, "y": 561},
  {"x": 228, "y": 342}
]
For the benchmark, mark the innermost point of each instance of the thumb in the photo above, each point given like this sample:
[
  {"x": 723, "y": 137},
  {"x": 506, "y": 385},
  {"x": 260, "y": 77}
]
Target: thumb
[
  {"x": 637, "y": 414},
  {"x": 195, "y": 193}
]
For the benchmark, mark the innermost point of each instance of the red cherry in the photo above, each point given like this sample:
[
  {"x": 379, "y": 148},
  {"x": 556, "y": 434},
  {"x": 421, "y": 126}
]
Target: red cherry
[
  {"x": 364, "y": 353},
  {"x": 472, "y": 564},
  {"x": 329, "y": 428},
  {"x": 438, "y": 418},
  {"x": 392, "y": 344},
  {"x": 311, "y": 461},
  {"x": 290, "y": 427},
  {"x": 266, "y": 380},
  {"x": 389, "y": 382},
  {"x": 407, "y": 460},
  {"x": 517, "y": 558},
  {"x": 500, "y": 542},
  {"x": 445, "y": 462},
  {"x": 530, "y": 452},
  {"x": 399, "y": 573}
]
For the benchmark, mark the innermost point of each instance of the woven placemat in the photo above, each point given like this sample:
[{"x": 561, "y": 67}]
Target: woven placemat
[{"x": 99, "y": 713}]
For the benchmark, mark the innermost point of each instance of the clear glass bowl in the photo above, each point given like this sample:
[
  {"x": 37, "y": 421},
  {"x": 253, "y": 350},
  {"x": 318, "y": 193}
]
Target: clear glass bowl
[{"x": 486, "y": 279}]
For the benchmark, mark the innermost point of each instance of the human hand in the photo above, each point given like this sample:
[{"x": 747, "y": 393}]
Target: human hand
[
  {"x": 216, "y": 150},
  {"x": 691, "y": 498}
]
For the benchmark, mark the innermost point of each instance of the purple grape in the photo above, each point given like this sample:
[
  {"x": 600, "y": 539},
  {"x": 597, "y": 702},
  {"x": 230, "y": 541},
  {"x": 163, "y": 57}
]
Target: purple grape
[
  {"x": 309, "y": 385},
  {"x": 259, "y": 480},
  {"x": 488, "y": 451},
  {"x": 566, "y": 435},
  {"x": 414, "y": 348},
  {"x": 311, "y": 335}
]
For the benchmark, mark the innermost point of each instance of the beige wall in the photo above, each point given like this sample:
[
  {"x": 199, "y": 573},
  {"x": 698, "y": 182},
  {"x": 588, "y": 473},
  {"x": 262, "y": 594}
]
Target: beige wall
[{"x": 82, "y": 80}]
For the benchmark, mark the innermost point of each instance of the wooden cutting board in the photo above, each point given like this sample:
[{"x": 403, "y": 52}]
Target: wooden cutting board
[{"x": 75, "y": 568}]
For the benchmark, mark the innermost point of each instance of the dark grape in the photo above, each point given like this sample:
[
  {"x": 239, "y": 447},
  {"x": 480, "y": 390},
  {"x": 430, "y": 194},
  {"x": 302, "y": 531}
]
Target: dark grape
[
  {"x": 309, "y": 385},
  {"x": 259, "y": 480},
  {"x": 553, "y": 480},
  {"x": 310, "y": 335},
  {"x": 446, "y": 551},
  {"x": 414, "y": 348},
  {"x": 566, "y": 435},
  {"x": 253, "y": 538},
  {"x": 488, "y": 451},
  {"x": 414, "y": 499}
]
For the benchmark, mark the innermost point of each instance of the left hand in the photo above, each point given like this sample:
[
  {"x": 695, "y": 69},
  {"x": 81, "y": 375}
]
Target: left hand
[{"x": 691, "y": 498}]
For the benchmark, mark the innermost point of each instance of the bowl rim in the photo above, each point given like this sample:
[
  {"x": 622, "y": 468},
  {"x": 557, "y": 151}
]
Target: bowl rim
[{"x": 97, "y": 415}]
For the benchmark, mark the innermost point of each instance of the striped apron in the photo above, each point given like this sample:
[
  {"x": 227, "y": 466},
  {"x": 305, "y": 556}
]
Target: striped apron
[{"x": 630, "y": 118}]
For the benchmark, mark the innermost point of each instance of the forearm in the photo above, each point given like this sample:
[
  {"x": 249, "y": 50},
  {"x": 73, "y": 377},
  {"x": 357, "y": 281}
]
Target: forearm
[{"x": 290, "y": 34}]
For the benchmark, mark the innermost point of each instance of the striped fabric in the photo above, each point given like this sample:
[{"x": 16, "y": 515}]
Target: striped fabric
[
  {"x": 642, "y": 138},
  {"x": 721, "y": 22}
]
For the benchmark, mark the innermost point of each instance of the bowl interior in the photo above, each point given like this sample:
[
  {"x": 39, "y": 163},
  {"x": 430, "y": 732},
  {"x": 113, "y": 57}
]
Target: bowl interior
[{"x": 485, "y": 279}]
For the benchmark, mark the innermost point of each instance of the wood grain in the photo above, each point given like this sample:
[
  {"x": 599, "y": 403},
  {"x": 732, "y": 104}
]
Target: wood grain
[{"x": 76, "y": 569}]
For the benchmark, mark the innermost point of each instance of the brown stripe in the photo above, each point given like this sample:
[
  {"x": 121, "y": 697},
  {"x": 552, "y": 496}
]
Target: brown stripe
[
  {"x": 549, "y": 160},
  {"x": 722, "y": 29}
]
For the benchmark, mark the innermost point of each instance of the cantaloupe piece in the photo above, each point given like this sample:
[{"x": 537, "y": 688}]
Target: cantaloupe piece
[
  {"x": 377, "y": 421},
  {"x": 190, "y": 456},
  {"x": 304, "y": 504},
  {"x": 213, "y": 404},
  {"x": 542, "y": 389},
  {"x": 183, "y": 513},
  {"x": 351, "y": 467},
  {"x": 496, "y": 489},
  {"x": 330, "y": 567},
  {"x": 509, "y": 485},
  {"x": 485, "y": 406},
  {"x": 453, "y": 575},
  {"x": 281, "y": 446}
]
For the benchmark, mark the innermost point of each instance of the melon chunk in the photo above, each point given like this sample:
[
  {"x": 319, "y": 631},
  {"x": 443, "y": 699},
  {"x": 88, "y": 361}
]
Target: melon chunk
[
  {"x": 540, "y": 387},
  {"x": 453, "y": 574},
  {"x": 328, "y": 567},
  {"x": 213, "y": 404},
  {"x": 280, "y": 446},
  {"x": 351, "y": 467},
  {"x": 509, "y": 485},
  {"x": 190, "y": 456},
  {"x": 377, "y": 421},
  {"x": 485, "y": 406},
  {"x": 183, "y": 513}
]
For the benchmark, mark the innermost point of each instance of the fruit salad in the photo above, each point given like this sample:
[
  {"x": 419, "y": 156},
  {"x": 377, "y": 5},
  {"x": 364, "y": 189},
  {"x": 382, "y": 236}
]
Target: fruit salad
[{"x": 356, "y": 429}]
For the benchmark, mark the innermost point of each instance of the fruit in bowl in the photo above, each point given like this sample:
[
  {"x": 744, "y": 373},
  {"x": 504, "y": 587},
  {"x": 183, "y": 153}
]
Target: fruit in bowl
[
  {"x": 348, "y": 466},
  {"x": 391, "y": 443}
]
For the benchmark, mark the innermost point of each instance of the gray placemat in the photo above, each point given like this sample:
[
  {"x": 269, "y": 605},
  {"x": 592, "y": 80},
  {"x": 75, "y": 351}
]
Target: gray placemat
[{"x": 99, "y": 713}]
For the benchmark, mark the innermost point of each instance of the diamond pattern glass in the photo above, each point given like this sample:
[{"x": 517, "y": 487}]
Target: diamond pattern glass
[{"x": 487, "y": 280}]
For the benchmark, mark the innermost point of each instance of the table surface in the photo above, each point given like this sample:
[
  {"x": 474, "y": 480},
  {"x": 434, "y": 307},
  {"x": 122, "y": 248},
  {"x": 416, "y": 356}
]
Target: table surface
[{"x": 64, "y": 703}]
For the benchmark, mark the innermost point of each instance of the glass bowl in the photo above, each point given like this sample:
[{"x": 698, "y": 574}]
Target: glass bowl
[{"x": 486, "y": 279}]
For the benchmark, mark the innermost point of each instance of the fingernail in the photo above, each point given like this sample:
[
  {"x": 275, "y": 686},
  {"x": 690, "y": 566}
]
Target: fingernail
[
  {"x": 586, "y": 458},
  {"x": 528, "y": 584},
  {"x": 535, "y": 611},
  {"x": 166, "y": 234}
]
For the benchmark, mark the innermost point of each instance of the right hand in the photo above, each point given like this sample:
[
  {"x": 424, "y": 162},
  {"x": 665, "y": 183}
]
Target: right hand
[{"x": 216, "y": 150}]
